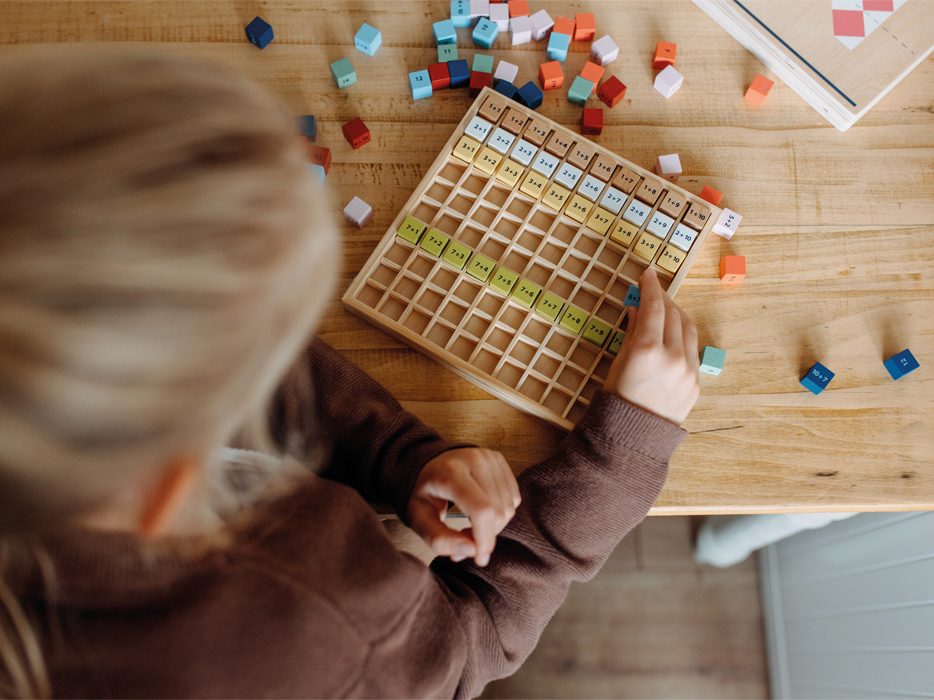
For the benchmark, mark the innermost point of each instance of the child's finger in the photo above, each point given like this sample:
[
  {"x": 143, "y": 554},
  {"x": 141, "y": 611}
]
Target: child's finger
[
  {"x": 650, "y": 321},
  {"x": 425, "y": 519},
  {"x": 690, "y": 342},
  {"x": 674, "y": 336}
]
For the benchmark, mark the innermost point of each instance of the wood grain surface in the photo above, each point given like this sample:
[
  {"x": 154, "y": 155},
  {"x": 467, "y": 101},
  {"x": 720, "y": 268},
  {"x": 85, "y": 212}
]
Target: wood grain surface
[{"x": 838, "y": 232}]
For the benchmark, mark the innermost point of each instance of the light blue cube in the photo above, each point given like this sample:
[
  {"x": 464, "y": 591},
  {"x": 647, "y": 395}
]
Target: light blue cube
[
  {"x": 343, "y": 73},
  {"x": 444, "y": 32},
  {"x": 901, "y": 364},
  {"x": 317, "y": 171},
  {"x": 460, "y": 13},
  {"x": 485, "y": 33},
  {"x": 368, "y": 39},
  {"x": 580, "y": 90},
  {"x": 558, "y": 45},
  {"x": 420, "y": 83},
  {"x": 633, "y": 296},
  {"x": 447, "y": 52},
  {"x": 711, "y": 360},
  {"x": 817, "y": 378},
  {"x": 482, "y": 63}
]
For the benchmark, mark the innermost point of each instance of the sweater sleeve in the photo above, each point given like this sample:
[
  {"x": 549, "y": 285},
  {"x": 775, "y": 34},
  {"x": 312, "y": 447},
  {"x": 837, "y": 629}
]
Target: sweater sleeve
[
  {"x": 576, "y": 507},
  {"x": 328, "y": 411}
]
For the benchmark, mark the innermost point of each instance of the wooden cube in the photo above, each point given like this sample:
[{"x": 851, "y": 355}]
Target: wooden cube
[
  {"x": 259, "y": 32},
  {"x": 900, "y": 364},
  {"x": 732, "y": 269},
  {"x": 564, "y": 25},
  {"x": 612, "y": 91},
  {"x": 558, "y": 45},
  {"x": 712, "y": 195},
  {"x": 665, "y": 53},
  {"x": 499, "y": 13},
  {"x": 668, "y": 81},
  {"x": 358, "y": 212},
  {"x": 485, "y": 33},
  {"x": 308, "y": 127},
  {"x": 518, "y": 8},
  {"x": 817, "y": 378},
  {"x": 542, "y": 23},
  {"x": 758, "y": 90},
  {"x": 604, "y": 50},
  {"x": 550, "y": 75},
  {"x": 592, "y": 121},
  {"x": 460, "y": 73},
  {"x": 520, "y": 30},
  {"x": 439, "y": 75},
  {"x": 444, "y": 32},
  {"x": 344, "y": 73},
  {"x": 727, "y": 223},
  {"x": 368, "y": 39},
  {"x": 478, "y": 81},
  {"x": 585, "y": 26},
  {"x": 712, "y": 360},
  {"x": 321, "y": 156},
  {"x": 530, "y": 95},
  {"x": 356, "y": 133},
  {"x": 633, "y": 296},
  {"x": 592, "y": 72},
  {"x": 505, "y": 71},
  {"x": 668, "y": 166}
]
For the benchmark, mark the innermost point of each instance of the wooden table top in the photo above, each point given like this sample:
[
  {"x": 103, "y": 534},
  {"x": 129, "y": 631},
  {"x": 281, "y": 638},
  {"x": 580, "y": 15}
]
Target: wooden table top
[{"x": 838, "y": 232}]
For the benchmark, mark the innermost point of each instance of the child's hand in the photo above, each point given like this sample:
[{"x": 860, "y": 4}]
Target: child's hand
[
  {"x": 481, "y": 484},
  {"x": 656, "y": 368}
]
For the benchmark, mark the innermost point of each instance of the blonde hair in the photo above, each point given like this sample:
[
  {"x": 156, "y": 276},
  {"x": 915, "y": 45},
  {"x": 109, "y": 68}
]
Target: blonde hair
[{"x": 163, "y": 255}]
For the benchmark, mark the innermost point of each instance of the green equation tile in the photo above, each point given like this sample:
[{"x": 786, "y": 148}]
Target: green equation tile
[
  {"x": 573, "y": 319},
  {"x": 412, "y": 229},
  {"x": 550, "y": 306},
  {"x": 434, "y": 241},
  {"x": 597, "y": 332},
  {"x": 456, "y": 254},
  {"x": 480, "y": 267},
  {"x": 616, "y": 343},
  {"x": 526, "y": 292},
  {"x": 504, "y": 279}
]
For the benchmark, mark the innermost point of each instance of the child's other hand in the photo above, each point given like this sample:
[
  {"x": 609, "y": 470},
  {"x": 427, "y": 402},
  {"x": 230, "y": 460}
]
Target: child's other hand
[
  {"x": 656, "y": 368},
  {"x": 481, "y": 484}
]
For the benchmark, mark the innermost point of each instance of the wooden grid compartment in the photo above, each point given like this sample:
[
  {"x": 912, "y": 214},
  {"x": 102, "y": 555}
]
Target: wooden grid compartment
[{"x": 578, "y": 223}]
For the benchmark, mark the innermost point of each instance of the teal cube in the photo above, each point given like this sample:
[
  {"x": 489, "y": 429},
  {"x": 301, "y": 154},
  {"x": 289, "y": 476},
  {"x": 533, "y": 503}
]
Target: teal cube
[
  {"x": 712, "y": 359},
  {"x": 485, "y": 33},
  {"x": 558, "y": 45},
  {"x": 317, "y": 171},
  {"x": 343, "y": 73},
  {"x": 460, "y": 13},
  {"x": 420, "y": 83},
  {"x": 483, "y": 63},
  {"x": 447, "y": 52},
  {"x": 444, "y": 32},
  {"x": 368, "y": 39},
  {"x": 580, "y": 90},
  {"x": 633, "y": 296}
]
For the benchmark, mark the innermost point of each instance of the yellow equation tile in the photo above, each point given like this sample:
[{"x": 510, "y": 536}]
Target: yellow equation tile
[
  {"x": 534, "y": 184},
  {"x": 550, "y": 306},
  {"x": 573, "y": 319},
  {"x": 509, "y": 172},
  {"x": 456, "y": 254},
  {"x": 487, "y": 160},
  {"x": 616, "y": 343},
  {"x": 646, "y": 247},
  {"x": 526, "y": 292},
  {"x": 480, "y": 267},
  {"x": 556, "y": 196},
  {"x": 600, "y": 220},
  {"x": 504, "y": 279},
  {"x": 411, "y": 229},
  {"x": 597, "y": 332},
  {"x": 578, "y": 208},
  {"x": 671, "y": 259},
  {"x": 434, "y": 241},
  {"x": 624, "y": 233},
  {"x": 466, "y": 149}
]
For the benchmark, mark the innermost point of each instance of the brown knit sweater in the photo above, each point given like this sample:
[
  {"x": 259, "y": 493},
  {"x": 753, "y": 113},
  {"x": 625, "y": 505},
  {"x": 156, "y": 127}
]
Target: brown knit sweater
[{"x": 313, "y": 600}]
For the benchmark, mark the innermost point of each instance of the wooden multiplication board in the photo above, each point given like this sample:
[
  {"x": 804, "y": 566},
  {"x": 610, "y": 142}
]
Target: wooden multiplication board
[{"x": 512, "y": 260}]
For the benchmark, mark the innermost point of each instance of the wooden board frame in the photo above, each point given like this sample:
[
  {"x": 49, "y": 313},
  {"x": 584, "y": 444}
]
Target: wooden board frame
[{"x": 441, "y": 311}]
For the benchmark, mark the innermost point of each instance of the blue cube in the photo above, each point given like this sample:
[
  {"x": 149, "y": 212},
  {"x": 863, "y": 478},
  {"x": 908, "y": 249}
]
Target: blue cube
[
  {"x": 343, "y": 72},
  {"x": 368, "y": 39},
  {"x": 817, "y": 378},
  {"x": 259, "y": 32},
  {"x": 460, "y": 13},
  {"x": 460, "y": 73},
  {"x": 633, "y": 296},
  {"x": 505, "y": 88},
  {"x": 308, "y": 127},
  {"x": 901, "y": 364},
  {"x": 558, "y": 45},
  {"x": 712, "y": 360},
  {"x": 317, "y": 171},
  {"x": 530, "y": 95},
  {"x": 444, "y": 32},
  {"x": 485, "y": 33},
  {"x": 420, "y": 82}
]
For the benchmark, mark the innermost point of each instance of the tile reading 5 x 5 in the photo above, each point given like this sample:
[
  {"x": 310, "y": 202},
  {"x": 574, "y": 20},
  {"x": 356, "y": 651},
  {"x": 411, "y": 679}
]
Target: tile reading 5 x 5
[{"x": 512, "y": 260}]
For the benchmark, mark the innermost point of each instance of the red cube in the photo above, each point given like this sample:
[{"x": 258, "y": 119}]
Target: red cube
[
  {"x": 612, "y": 91},
  {"x": 356, "y": 133},
  {"x": 440, "y": 76},
  {"x": 478, "y": 81},
  {"x": 592, "y": 121},
  {"x": 321, "y": 156}
]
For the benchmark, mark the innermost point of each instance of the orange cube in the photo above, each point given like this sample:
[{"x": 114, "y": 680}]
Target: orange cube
[
  {"x": 550, "y": 75},
  {"x": 711, "y": 195},
  {"x": 665, "y": 53},
  {"x": 563, "y": 25},
  {"x": 585, "y": 27},
  {"x": 732, "y": 269},
  {"x": 758, "y": 89},
  {"x": 592, "y": 72},
  {"x": 518, "y": 8}
]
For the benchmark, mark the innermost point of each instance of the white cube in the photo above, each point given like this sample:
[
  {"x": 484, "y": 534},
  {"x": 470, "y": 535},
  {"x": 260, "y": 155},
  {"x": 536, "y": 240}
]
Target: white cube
[
  {"x": 358, "y": 212},
  {"x": 604, "y": 50},
  {"x": 506, "y": 71},
  {"x": 499, "y": 13},
  {"x": 479, "y": 8},
  {"x": 520, "y": 29},
  {"x": 541, "y": 24},
  {"x": 668, "y": 81},
  {"x": 669, "y": 167},
  {"x": 727, "y": 223}
]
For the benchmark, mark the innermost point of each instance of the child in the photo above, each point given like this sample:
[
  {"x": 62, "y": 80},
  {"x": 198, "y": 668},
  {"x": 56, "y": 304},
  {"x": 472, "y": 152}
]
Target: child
[{"x": 164, "y": 257}]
